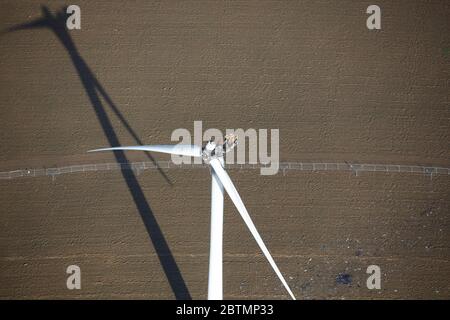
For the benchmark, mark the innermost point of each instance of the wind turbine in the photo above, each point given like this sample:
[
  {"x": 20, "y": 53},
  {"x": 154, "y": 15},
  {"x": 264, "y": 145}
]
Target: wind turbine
[{"x": 212, "y": 154}]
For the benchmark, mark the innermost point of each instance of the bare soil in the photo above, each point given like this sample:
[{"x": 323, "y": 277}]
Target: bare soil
[{"x": 134, "y": 73}]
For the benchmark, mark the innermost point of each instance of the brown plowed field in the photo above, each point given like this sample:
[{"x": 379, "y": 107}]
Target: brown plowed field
[{"x": 135, "y": 72}]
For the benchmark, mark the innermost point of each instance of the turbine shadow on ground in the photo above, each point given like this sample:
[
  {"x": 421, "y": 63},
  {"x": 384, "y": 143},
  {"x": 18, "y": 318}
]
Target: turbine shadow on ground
[{"x": 57, "y": 23}]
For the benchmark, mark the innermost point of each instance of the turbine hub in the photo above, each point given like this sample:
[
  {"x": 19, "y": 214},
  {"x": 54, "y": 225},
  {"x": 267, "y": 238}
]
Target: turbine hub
[{"x": 213, "y": 150}]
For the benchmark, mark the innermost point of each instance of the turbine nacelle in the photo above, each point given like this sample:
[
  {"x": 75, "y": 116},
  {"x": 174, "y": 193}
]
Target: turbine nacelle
[{"x": 214, "y": 150}]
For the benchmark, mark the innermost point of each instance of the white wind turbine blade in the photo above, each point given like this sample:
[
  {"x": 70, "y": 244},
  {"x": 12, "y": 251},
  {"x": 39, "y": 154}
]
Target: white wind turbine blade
[
  {"x": 215, "y": 275},
  {"x": 179, "y": 149},
  {"x": 234, "y": 195}
]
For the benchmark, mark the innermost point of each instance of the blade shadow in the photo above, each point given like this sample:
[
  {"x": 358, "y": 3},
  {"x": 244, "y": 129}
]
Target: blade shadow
[{"x": 57, "y": 24}]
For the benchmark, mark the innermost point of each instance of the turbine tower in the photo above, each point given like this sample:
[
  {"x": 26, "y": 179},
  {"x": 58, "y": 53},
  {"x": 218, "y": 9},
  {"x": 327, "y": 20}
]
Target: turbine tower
[{"x": 212, "y": 154}]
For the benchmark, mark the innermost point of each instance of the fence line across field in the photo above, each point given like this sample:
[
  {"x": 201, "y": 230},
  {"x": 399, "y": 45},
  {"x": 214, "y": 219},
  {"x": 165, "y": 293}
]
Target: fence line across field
[{"x": 283, "y": 167}]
